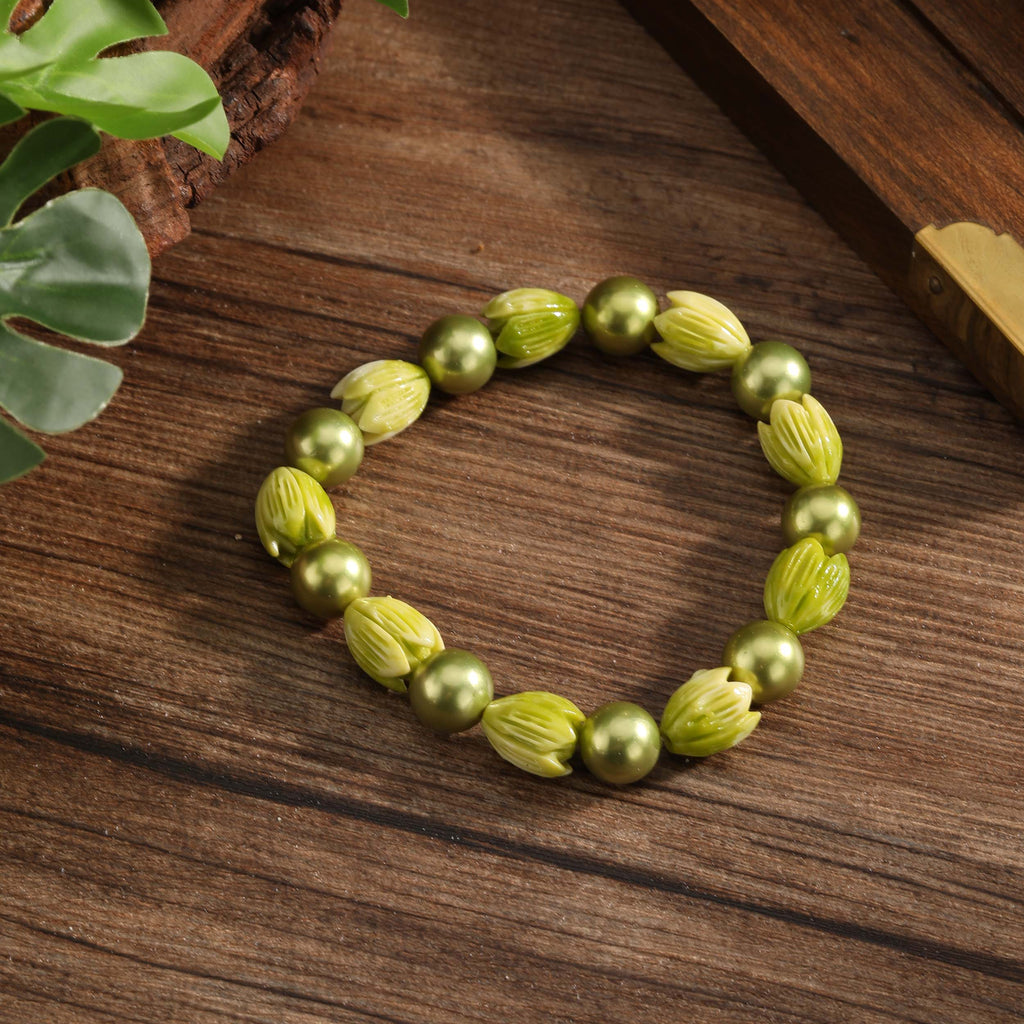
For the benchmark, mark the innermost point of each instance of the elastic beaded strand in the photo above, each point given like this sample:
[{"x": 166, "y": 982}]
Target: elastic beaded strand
[{"x": 451, "y": 690}]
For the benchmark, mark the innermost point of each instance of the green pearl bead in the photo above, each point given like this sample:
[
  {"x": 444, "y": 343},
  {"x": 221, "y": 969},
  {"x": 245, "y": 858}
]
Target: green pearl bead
[
  {"x": 620, "y": 743},
  {"x": 326, "y": 444},
  {"x": 769, "y": 371},
  {"x": 767, "y": 656},
  {"x": 458, "y": 354},
  {"x": 825, "y": 512},
  {"x": 450, "y": 690},
  {"x": 327, "y": 577},
  {"x": 619, "y": 315}
]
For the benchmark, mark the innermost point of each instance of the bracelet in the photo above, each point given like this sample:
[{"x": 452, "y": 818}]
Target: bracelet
[{"x": 451, "y": 690}]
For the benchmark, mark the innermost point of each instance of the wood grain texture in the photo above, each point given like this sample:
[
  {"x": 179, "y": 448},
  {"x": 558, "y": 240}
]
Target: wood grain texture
[
  {"x": 889, "y": 116},
  {"x": 210, "y": 816}
]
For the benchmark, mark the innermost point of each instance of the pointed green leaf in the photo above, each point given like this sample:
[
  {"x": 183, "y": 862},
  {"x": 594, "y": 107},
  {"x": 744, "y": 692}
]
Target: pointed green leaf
[
  {"x": 139, "y": 96},
  {"x": 398, "y": 6},
  {"x": 79, "y": 266},
  {"x": 17, "y": 453},
  {"x": 47, "y": 150},
  {"x": 9, "y": 110},
  {"x": 52, "y": 389},
  {"x": 76, "y": 30}
]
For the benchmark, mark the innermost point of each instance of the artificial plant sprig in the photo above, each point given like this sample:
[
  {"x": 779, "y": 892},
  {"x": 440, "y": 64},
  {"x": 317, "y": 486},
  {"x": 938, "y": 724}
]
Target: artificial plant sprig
[
  {"x": 399, "y": 6},
  {"x": 78, "y": 266},
  {"x": 55, "y": 65}
]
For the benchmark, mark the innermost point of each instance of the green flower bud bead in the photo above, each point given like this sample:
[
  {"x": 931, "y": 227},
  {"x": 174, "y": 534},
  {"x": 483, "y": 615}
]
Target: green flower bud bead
[
  {"x": 769, "y": 371},
  {"x": 708, "y": 714},
  {"x": 827, "y": 513},
  {"x": 535, "y": 731},
  {"x": 620, "y": 743},
  {"x": 801, "y": 443},
  {"x": 618, "y": 315},
  {"x": 530, "y": 324},
  {"x": 767, "y": 656},
  {"x": 450, "y": 690},
  {"x": 292, "y": 512},
  {"x": 805, "y": 588},
  {"x": 328, "y": 576},
  {"x": 326, "y": 444},
  {"x": 458, "y": 354},
  {"x": 699, "y": 333},
  {"x": 389, "y": 639},
  {"x": 383, "y": 397}
]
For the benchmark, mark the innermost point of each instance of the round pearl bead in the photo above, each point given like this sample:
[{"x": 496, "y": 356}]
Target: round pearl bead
[
  {"x": 326, "y": 444},
  {"x": 328, "y": 576},
  {"x": 825, "y": 512},
  {"x": 450, "y": 690},
  {"x": 767, "y": 656},
  {"x": 769, "y": 371},
  {"x": 458, "y": 354},
  {"x": 618, "y": 314},
  {"x": 620, "y": 743}
]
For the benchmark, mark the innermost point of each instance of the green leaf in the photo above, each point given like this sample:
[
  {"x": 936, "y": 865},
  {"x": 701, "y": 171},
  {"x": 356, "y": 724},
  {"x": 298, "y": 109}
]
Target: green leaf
[
  {"x": 9, "y": 110},
  {"x": 79, "y": 266},
  {"x": 6, "y": 10},
  {"x": 399, "y": 6},
  {"x": 17, "y": 453},
  {"x": 40, "y": 155},
  {"x": 52, "y": 389},
  {"x": 53, "y": 66},
  {"x": 77, "y": 30}
]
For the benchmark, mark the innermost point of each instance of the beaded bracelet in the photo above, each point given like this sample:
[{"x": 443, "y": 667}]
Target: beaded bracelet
[{"x": 451, "y": 690}]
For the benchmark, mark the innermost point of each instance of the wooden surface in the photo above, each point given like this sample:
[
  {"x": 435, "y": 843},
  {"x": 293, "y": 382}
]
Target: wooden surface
[
  {"x": 208, "y": 815},
  {"x": 890, "y": 116}
]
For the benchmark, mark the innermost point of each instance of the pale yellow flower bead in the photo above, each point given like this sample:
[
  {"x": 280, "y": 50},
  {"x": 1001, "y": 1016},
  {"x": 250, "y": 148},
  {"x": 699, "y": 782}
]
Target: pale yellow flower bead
[
  {"x": 530, "y": 324},
  {"x": 292, "y": 512},
  {"x": 805, "y": 588},
  {"x": 699, "y": 333},
  {"x": 535, "y": 731},
  {"x": 389, "y": 639},
  {"x": 801, "y": 442},
  {"x": 383, "y": 397},
  {"x": 707, "y": 714}
]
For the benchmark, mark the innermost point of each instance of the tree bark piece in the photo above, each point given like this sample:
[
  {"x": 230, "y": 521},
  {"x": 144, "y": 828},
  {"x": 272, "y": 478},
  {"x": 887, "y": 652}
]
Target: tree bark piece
[{"x": 263, "y": 55}]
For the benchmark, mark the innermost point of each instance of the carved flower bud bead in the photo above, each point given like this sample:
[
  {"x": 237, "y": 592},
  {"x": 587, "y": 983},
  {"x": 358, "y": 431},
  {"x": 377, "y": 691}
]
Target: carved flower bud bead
[
  {"x": 383, "y": 397},
  {"x": 535, "y": 731},
  {"x": 389, "y": 639},
  {"x": 708, "y": 714},
  {"x": 699, "y": 333},
  {"x": 292, "y": 512},
  {"x": 801, "y": 443},
  {"x": 805, "y": 588},
  {"x": 530, "y": 324}
]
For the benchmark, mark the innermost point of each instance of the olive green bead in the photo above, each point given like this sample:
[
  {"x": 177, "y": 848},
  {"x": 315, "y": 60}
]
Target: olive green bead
[
  {"x": 618, "y": 314},
  {"x": 825, "y": 512},
  {"x": 326, "y": 444},
  {"x": 620, "y": 743},
  {"x": 458, "y": 354},
  {"x": 450, "y": 690},
  {"x": 770, "y": 370},
  {"x": 767, "y": 656},
  {"x": 327, "y": 577}
]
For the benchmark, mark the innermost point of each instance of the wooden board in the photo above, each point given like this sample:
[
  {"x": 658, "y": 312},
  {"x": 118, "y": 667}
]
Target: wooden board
[
  {"x": 894, "y": 119},
  {"x": 210, "y": 816}
]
